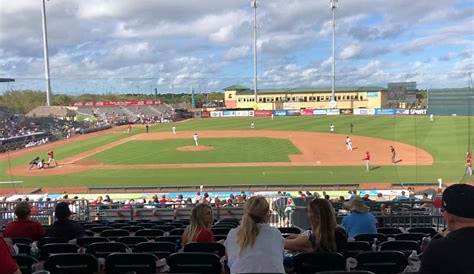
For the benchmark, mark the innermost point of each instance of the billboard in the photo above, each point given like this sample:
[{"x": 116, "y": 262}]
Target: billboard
[
  {"x": 364, "y": 111},
  {"x": 215, "y": 114},
  {"x": 279, "y": 112},
  {"x": 293, "y": 112},
  {"x": 307, "y": 112},
  {"x": 205, "y": 114},
  {"x": 385, "y": 111},
  {"x": 401, "y": 92},
  {"x": 333, "y": 111},
  {"x": 319, "y": 112},
  {"x": 229, "y": 113},
  {"x": 263, "y": 113}
]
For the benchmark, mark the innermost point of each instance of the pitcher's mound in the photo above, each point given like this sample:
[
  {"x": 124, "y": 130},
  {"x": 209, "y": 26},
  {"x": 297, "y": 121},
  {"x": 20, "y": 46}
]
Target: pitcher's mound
[{"x": 195, "y": 148}]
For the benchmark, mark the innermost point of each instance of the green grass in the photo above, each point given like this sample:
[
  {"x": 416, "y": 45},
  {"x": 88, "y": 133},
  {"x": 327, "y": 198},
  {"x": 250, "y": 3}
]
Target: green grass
[
  {"x": 225, "y": 150},
  {"x": 447, "y": 139}
]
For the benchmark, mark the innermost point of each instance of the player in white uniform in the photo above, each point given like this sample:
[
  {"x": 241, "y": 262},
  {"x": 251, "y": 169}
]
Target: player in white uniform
[
  {"x": 348, "y": 143},
  {"x": 196, "y": 138},
  {"x": 331, "y": 128},
  {"x": 173, "y": 129},
  {"x": 252, "y": 125},
  {"x": 431, "y": 117}
]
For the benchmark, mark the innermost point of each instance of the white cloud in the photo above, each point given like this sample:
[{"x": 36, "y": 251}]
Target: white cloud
[
  {"x": 351, "y": 51},
  {"x": 236, "y": 53}
]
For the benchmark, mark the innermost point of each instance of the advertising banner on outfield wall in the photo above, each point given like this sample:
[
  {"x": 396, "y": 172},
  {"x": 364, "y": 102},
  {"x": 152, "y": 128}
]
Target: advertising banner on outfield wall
[
  {"x": 242, "y": 113},
  {"x": 330, "y": 111},
  {"x": 307, "y": 112},
  {"x": 216, "y": 114},
  {"x": 229, "y": 113},
  {"x": 197, "y": 114},
  {"x": 205, "y": 114},
  {"x": 251, "y": 113},
  {"x": 385, "y": 111},
  {"x": 364, "y": 111},
  {"x": 293, "y": 112},
  {"x": 279, "y": 112},
  {"x": 319, "y": 112},
  {"x": 263, "y": 113}
]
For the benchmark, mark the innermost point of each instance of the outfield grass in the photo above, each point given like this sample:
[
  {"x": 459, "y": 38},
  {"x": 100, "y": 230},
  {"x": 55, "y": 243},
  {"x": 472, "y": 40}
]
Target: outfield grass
[
  {"x": 446, "y": 139},
  {"x": 225, "y": 150}
]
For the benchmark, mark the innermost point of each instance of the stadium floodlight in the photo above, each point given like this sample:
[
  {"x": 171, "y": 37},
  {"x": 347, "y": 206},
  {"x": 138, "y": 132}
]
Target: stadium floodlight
[
  {"x": 46, "y": 56},
  {"x": 333, "y": 103},
  {"x": 254, "y": 6}
]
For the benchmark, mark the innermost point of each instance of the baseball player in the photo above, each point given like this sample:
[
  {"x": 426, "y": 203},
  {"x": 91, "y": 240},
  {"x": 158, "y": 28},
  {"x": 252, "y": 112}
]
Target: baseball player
[
  {"x": 431, "y": 117},
  {"x": 196, "y": 138},
  {"x": 252, "y": 125},
  {"x": 129, "y": 128},
  {"x": 393, "y": 152},
  {"x": 34, "y": 162},
  {"x": 51, "y": 159},
  {"x": 348, "y": 144},
  {"x": 331, "y": 128},
  {"x": 147, "y": 127},
  {"x": 468, "y": 170},
  {"x": 173, "y": 129},
  {"x": 367, "y": 161}
]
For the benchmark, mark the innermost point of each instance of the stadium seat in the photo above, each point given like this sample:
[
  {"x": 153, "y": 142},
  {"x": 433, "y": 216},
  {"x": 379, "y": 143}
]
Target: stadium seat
[
  {"x": 89, "y": 233},
  {"x": 425, "y": 230},
  {"x": 311, "y": 262},
  {"x": 119, "y": 225},
  {"x": 99, "y": 229},
  {"x": 165, "y": 227},
  {"x": 150, "y": 233},
  {"x": 26, "y": 241},
  {"x": 71, "y": 264},
  {"x": 159, "y": 249},
  {"x": 345, "y": 272},
  {"x": 138, "y": 263},
  {"x": 101, "y": 250},
  {"x": 132, "y": 241},
  {"x": 176, "y": 239},
  {"x": 220, "y": 237},
  {"x": 25, "y": 262},
  {"x": 403, "y": 246},
  {"x": 146, "y": 225},
  {"x": 289, "y": 230},
  {"x": 216, "y": 248},
  {"x": 356, "y": 247},
  {"x": 410, "y": 236},
  {"x": 371, "y": 237},
  {"x": 221, "y": 230},
  {"x": 56, "y": 248},
  {"x": 114, "y": 233},
  {"x": 86, "y": 241},
  {"x": 132, "y": 228},
  {"x": 50, "y": 240},
  {"x": 177, "y": 231},
  {"x": 24, "y": 249},
  {"x": 382, "y": 262},
  {"x": 192, "y": 262},
  {"x": 389, "y": 230}
]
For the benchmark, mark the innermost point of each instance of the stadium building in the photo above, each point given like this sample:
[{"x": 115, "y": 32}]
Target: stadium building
[{"x": 240, "y": 97}]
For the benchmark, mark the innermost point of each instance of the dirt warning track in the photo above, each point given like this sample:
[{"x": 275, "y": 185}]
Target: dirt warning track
[{"x": 316, "y": 149}]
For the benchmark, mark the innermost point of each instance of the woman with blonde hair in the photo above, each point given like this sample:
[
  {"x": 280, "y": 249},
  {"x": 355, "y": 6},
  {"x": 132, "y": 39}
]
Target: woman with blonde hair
[
  {"x": 254, "y": 246},
  {"x": 324, "y": 236},
  {"x": 199, "y": 228}
]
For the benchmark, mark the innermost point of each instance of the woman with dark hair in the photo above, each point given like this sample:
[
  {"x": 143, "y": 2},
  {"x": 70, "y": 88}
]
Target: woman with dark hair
[
  {"x": 324, "y": 236},
  {"x": 23, "y": 226}
]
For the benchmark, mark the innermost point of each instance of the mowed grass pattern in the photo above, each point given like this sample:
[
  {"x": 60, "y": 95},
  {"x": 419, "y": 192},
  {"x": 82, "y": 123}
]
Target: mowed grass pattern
[
  {"x": 447, "y": 139},
  {"x": 225, "y": 150}
]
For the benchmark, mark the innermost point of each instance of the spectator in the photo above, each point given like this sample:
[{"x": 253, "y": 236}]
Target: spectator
[
  {"x": 324, "y": 236},
  {"x": 63, "y": 227},
  {"x": 163, "y": 199},
  {"x": 23, "y": 226},
  {"x": 254, "y": 246},
  {"x": 453, "y": 253},
  {"x": 7, "y": 263},
  {"x": 360, "y": 220},
  {"x": 199, "y": 228}
]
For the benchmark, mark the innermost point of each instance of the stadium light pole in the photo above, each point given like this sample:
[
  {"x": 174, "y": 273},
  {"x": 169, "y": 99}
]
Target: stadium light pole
[
  {"x": 254, "y": 6},
  {"x": 46, "y": 56},
  {"x": 333, "y": 102}
]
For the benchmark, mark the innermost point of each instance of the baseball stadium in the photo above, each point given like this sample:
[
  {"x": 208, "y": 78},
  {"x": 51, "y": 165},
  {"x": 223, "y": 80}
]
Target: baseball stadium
[{"x": 148, "y": 150}]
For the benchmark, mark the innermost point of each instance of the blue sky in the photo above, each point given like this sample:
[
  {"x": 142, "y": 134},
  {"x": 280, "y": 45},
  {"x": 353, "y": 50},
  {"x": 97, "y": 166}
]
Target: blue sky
[{"x": 139, "y": 45}]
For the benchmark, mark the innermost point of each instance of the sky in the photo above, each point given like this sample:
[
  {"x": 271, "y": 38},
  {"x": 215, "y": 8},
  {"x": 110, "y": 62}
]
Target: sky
[{"x": 182, "y": 45}]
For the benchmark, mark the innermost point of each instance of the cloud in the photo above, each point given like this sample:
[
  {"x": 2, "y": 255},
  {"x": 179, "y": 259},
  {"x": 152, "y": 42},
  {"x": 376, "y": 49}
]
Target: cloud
[{"x": 236, "y": 53}]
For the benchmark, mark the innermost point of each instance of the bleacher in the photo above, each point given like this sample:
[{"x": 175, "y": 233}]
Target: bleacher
[{"x": 146, "y": 239}]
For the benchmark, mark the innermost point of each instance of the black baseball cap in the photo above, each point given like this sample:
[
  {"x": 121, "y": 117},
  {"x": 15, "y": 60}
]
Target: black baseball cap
[
  {"x": 458, "y": 200},
  {"x": 62, "y": 211}
]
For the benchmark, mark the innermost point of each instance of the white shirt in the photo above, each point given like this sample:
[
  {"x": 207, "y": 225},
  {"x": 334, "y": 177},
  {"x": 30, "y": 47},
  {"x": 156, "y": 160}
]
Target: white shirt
[
  {"x": 265, "y": 256},
  {"x": 195, "y": 136}
]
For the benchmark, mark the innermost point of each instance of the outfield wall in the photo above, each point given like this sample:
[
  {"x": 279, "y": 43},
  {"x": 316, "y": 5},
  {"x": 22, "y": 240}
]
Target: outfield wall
[{"x": 307, "y": 112}]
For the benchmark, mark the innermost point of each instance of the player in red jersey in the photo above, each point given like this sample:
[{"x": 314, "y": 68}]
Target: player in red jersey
[
  {"x": 367, "y": 161},
  {"x": 468, "y": 164}
]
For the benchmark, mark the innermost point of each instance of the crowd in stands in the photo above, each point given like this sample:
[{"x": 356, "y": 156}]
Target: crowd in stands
[{"x": 252, "y": 245}]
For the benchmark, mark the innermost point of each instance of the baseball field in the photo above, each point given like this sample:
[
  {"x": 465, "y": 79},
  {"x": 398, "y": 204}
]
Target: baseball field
[{"x": 285, "y": 150}]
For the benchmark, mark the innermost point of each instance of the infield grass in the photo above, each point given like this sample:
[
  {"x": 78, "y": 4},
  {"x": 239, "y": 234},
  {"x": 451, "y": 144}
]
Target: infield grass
[
  {"x": 447, "y": 139},
  {"x": 225, "y": 150}
]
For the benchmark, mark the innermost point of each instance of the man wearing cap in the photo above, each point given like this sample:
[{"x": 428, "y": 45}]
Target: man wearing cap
[
  {"x": 454, "y": 252},
  {"x": 64, "y": 228},
  {"x": 360, "y": 220},
  {"x": 23, "y": 226}
]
